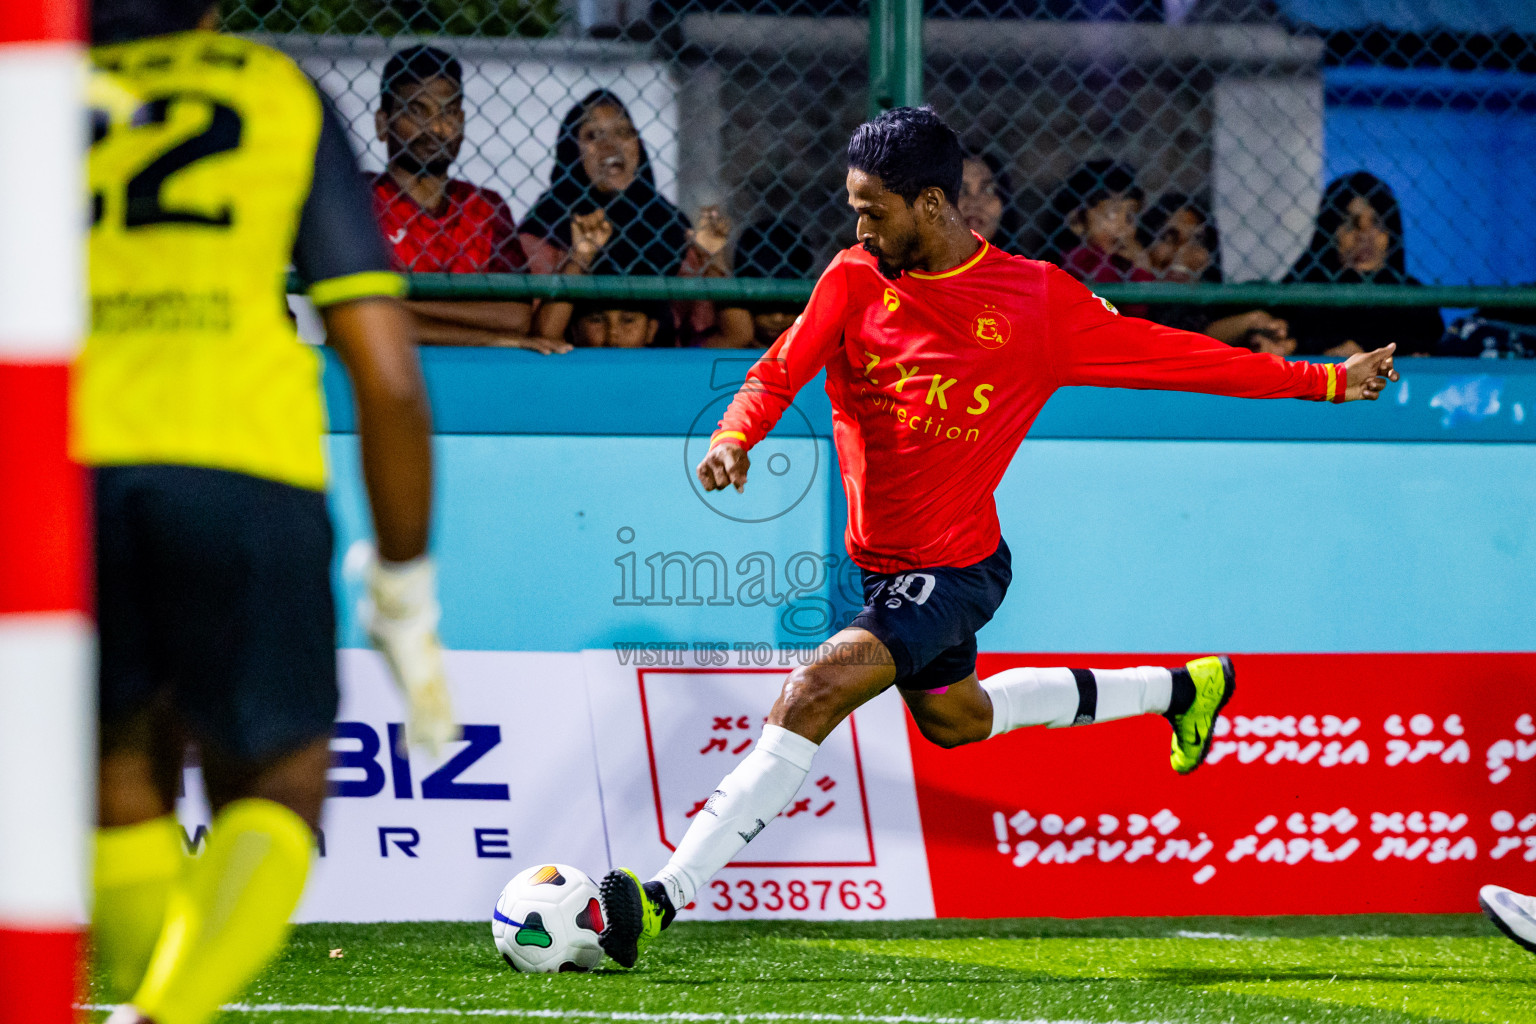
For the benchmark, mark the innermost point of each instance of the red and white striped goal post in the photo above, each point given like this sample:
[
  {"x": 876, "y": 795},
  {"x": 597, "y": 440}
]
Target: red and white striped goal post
[{"x": 47, "y": 744}]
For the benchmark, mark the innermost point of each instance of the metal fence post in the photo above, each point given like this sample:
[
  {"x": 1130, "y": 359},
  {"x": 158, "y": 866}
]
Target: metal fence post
[
  {"x": 882, "y": 45},
  {"x": 907, "y": 55}
]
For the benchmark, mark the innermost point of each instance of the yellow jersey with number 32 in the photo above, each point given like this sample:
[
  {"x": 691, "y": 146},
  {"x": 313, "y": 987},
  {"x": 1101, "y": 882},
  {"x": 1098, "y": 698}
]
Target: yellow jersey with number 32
[{"x": 215, "y": 164}]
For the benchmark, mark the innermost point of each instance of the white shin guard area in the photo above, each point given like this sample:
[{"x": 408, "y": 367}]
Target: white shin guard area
[
  {"x": 747, "y": 799},
  {"x": 1059, "y": 697}
]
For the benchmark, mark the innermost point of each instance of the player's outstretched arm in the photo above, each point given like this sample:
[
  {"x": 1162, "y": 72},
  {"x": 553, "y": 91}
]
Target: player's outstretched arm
[
  {"x": 1091, "y": 344},
  {"x": 725, "y": 466},
  {"x": 374, "y": 339},
  {"x": 1367, "y": 373}
]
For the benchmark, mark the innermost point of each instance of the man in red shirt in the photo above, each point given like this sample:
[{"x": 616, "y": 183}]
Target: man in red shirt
[
  {"x": 940, "y": 351},
  {"x": 438, "y": 224}
]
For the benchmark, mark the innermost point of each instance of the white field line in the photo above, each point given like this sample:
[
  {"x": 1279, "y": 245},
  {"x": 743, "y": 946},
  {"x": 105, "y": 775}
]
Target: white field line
[
  {"x": 623, "y": 1015},
  {"x": 1231, "y": 937}
]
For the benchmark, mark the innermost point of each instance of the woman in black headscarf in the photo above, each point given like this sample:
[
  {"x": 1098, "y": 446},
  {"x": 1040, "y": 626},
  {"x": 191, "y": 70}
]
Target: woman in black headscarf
[
  {"x": 986, "y": 201},
  {"x": 602, "y": 214},
  {"x": 1359, "y": 240}
]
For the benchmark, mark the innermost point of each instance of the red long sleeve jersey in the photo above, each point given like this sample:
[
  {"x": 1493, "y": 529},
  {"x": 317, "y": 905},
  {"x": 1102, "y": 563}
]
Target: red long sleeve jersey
[{"x": 936, "y": 378}]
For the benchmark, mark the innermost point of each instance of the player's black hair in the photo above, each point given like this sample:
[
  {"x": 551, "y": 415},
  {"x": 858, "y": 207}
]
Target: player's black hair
[
  {"x": 909, "y": 149},
  {"x": 414, "y": 65},
  {"x": 118, "y": 21}
]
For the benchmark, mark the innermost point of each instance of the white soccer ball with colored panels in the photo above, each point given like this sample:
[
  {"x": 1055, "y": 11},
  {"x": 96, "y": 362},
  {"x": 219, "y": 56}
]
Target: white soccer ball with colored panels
[{"x": 547, "y": 919}]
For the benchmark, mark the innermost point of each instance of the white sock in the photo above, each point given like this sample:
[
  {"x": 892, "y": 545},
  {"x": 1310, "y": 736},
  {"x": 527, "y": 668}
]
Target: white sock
[
  {"x": 1058, "y": 697},
  {"x": 747, "y": 799}
]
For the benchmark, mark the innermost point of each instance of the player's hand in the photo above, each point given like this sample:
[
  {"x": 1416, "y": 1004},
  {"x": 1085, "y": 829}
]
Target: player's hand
[
  {"x": 1366, "y": 374},
  {"x": 726, "y": 465},
  {"x": 543, "y": 346},
  {"x": 402, "y": 622}
]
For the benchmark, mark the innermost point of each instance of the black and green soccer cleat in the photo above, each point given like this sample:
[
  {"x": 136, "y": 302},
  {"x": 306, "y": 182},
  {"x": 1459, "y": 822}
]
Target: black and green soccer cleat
[
  {"x": 1214, "y": 680},
  {"x": 633, "y": 914}
]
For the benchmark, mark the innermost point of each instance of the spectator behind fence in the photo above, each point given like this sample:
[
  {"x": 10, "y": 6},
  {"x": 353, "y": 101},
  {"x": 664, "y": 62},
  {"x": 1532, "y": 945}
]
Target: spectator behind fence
[
  {"x": 987, "y": 201},
  {"x": 1359, "y": 240},
  {"x": 1099, "y": 207},
  {"x": 1095, "y": 237},
  {"x": 1182, "y": 245},
  {"x": 602, "y": 214},
  {"x": 621, "y": 323},
  {"x": 439, "y": 224},
  {"x": 766, "y": 249}
]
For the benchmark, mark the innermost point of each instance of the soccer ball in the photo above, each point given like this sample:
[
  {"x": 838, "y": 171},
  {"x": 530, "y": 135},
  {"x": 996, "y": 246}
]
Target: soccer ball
[{"x": 547, "y": 919}]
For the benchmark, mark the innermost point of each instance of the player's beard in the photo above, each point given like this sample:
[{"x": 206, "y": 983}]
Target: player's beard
[{"x": 890, "y": 268}]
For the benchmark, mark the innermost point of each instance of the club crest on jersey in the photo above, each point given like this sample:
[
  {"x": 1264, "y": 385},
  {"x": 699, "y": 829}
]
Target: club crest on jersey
[
  {"x": 1107, "y": 304},
  {"x": 891, "y": 300},
  {"x": 991, "y": 329}
]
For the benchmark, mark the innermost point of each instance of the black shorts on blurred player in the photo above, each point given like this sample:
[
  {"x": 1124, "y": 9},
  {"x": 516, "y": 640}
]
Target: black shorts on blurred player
[
  {"x": 214, "y": 595},
  {"x": 928, "y": 618}
]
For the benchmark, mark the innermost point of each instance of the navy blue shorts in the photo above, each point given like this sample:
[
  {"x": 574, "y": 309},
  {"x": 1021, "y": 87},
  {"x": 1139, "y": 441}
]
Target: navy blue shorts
[
  {"x": 928, "y": 619},
  {"x": 214, "y": 595}
]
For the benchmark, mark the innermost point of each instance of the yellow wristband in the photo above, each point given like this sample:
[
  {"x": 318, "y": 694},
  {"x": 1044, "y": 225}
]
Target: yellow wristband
[
  {"x": 724, "y": 434},
  {"x": 1333, "y": 381}
]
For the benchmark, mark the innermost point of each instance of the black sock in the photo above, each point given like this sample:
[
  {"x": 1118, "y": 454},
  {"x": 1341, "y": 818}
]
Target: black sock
[{"x": 1183, "y": 694}]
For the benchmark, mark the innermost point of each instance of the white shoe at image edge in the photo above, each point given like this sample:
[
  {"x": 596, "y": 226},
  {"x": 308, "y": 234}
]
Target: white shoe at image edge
[{"x": 1512, "y": 913}]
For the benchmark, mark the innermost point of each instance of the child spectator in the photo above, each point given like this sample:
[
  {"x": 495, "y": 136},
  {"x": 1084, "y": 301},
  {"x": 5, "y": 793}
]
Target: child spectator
[
  {"x": 1182, "y": 245},
  {"x": 766, "y": 249},
  {"x": 620, "y": 323},
  {"x": 987, "y": 202},
  {"x": 1359, "y": 240},
  {"x": 603, "y": 215},
  {"x": 1181, "y": 240},
  {"x": 435, "y": 223},
  {"x": 1100, "y": 206}
]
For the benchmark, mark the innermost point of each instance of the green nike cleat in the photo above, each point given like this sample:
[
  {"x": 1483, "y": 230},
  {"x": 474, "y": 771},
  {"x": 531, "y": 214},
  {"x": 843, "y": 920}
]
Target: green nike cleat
[
  {"x": 1214, "y": 680},
  {"x": 634, "y": 914}
]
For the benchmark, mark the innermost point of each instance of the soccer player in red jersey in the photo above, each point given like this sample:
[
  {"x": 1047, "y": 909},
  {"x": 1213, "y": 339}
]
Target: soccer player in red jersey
[
  {"x": 438, "y": 224},
  {"x": 940, "y": 351}
]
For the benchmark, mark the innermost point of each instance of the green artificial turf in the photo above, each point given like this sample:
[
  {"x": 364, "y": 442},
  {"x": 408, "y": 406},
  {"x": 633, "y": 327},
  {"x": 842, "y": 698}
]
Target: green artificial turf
[{"x": 1361, "y": 970}]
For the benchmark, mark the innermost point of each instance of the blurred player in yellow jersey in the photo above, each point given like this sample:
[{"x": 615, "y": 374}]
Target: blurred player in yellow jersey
[{"x": 215, "y": 164}]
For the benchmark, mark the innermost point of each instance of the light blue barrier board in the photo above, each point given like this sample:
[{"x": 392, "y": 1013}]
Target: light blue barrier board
[{"x": 1378, "y": 540}]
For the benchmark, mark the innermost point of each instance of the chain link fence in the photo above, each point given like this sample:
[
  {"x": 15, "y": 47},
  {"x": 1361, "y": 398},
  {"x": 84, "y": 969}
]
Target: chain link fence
[{"x": 1212, "y": 154}]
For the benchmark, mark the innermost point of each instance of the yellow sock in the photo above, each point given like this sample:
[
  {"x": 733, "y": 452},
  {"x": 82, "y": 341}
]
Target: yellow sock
[
  {"x": 135, "y": 868},
  {"x": 228, "y": 916}
]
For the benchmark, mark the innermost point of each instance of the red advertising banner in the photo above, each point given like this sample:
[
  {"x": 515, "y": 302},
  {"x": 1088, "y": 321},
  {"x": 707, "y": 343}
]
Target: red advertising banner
[{"x": 1354, "y": 783}]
